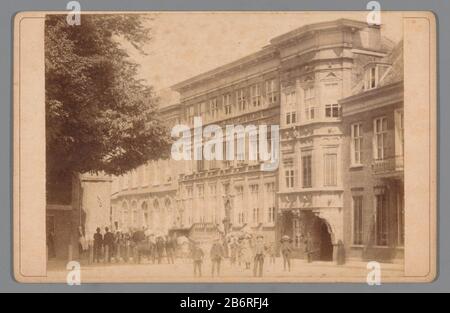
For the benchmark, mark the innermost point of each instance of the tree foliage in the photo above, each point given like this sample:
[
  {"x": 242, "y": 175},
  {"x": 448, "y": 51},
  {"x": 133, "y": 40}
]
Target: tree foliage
[{"x": 99, "y": 115}]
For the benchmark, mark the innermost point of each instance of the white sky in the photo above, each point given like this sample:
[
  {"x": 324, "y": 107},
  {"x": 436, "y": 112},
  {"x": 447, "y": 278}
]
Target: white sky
[{"x": 187, "y": 44}]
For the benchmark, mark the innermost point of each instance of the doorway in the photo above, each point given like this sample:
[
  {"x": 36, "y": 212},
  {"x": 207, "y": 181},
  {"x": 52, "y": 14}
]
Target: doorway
[
  {"x": 322, "y": 240},
  {"x": 326, "y": 244}
]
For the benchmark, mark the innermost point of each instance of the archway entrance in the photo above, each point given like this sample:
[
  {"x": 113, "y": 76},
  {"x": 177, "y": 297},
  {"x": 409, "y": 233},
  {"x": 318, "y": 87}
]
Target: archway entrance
[
  {"x": 326, "y": 244},
  {"x": 322, "y": 240}
]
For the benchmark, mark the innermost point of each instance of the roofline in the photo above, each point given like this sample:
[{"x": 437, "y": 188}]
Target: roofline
[
  {"x": 371, "y": 93},
  {"x": 271, "y": 48},
  {"x": 169, "y": 107},
  {"x": 267, "y": 50},
  {"x": 319, "y": 26}
]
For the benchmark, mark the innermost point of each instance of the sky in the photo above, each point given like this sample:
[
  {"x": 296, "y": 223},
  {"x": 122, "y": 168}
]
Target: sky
[{"x": 185, "y": 44}]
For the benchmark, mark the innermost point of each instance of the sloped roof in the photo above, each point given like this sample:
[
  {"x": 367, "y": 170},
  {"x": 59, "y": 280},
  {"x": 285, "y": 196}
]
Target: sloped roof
[{"x": 395, "y": 72}]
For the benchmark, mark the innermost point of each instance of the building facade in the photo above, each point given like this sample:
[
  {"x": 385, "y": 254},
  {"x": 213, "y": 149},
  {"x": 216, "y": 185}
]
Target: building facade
[
  {"x": 295, "y": 83},
  {"x": 373, "y": 122},
  {"x": 147, "y": 196}
]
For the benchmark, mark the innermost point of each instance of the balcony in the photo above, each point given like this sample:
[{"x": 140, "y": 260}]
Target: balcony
[{"x": 389, "y": 166}]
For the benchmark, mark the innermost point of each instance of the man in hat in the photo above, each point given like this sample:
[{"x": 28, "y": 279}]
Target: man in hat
[
  {"x": 286, "y": 250},
  {"x": 259, "y": 250},
  {"x": 197, "y": 257},
  {"x": 217, "y": 253}
]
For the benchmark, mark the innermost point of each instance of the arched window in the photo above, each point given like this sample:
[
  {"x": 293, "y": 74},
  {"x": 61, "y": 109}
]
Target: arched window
[
  {"x": 145, "y": 216},
  {"x": 169, "y": 213},
  {"x": 134, "y": 214}
]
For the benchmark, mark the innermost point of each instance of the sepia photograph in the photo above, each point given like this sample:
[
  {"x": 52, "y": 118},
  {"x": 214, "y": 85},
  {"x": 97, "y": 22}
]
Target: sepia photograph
[{"x": 227, "y": 147}]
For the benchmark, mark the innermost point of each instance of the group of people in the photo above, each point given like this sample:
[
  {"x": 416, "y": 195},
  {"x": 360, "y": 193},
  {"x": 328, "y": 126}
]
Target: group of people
[
  {"x": 131, "y": 245},
  {"x": 242, "y": 252}
]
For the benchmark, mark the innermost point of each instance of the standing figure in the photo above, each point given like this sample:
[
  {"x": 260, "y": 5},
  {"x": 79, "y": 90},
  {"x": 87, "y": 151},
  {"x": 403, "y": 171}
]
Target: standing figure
[
  {"x": 170, "y": 250},
  {"x": 197, "y": 257},
  {"x": 160, "y": 249},
  {"x": 246, "y": 250},
  {"x": 98, "y": 243},
  {"x": 272, "y": 254},
  {"x": 286, "y": 250},
  {"x": 108, "y": 243},
  {"x": 217, "y": 253},
  {"x": 152, "y": 247},
  {"x": 309, "y": 248},
  {"x": 234, "y": 249},
  {"x": 259, "y": 249}
]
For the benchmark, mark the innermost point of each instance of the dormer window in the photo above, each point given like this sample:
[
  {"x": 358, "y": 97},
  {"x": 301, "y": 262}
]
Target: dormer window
[{"x": 371, "y": 78}]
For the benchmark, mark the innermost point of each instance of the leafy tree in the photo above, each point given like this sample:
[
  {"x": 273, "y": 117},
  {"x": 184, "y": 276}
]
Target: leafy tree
[{"x": 99, "y": 115}]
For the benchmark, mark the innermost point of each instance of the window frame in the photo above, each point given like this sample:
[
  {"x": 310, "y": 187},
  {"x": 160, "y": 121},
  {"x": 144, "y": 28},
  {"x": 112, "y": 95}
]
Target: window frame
[
  {"x": 358, "y": 228},
  {"x": 356, "y": 138},
  {"x": 330, "y": 177},
  {"x": 307, "y": 171},
  {"x": 378, "y": 134}
]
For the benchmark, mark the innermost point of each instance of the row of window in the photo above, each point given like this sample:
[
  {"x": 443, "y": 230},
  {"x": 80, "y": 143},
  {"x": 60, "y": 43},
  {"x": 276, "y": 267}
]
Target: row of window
[
  {"x": 381, "y": 223},
  {"x": 241, "y": 100},
  {"x": 146, "y": 175},
  {"x": 331, "y": 111},
  {"x": 330, "y": 171},
  {"x": 380, "y": 139},
  {"x": 254, "y": 190},
  {"x": 247, "y": 155}
]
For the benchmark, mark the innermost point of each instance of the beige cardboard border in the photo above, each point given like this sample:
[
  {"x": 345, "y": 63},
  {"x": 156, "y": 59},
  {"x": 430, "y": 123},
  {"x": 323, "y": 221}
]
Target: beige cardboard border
[{"x": 420, "y": 151}]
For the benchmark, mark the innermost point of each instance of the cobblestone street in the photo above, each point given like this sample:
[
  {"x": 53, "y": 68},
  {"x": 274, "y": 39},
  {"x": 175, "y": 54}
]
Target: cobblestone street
[{"x": 182, "y": 271}]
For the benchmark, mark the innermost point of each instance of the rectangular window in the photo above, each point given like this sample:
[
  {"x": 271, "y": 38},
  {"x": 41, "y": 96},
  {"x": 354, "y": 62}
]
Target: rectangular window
[
  {"x": 227, "y": 104},
  {"x": 199, "y": 110},
  {"x": 307, "y": 171},
  {"x": 332, "y": 110},
  {"x": 399, "y": 133},
  {"x": 213, "y": 190},
  {"x": 240, "y": 153},
  {"x": 256, "y": 216},
  {"x": 358, "y": 220},
  {"x": 240, "y": 205},
  {"x": 382, "y": 221},
  {"x": 254, "y": 190},
  {"x": 290, "y": 178},
  {"x": 269, "y": 202},
  {"x": 356, "y": 144},
  {"x": 380, "y": 138},
  {"x": 200, "y": 191},
  {"x": 256, "y": 95},
  {"x": 291, "y": 99},
  {"x": 213, "y": 109},
  {"x": 191, "y": 114},
  {"x": 213, "y": 162},
  {"x": 241, "y": 100},
  {"x": 309, "y": 102},
  {"x": 291, "y": 118},
  {"x": 271, "y": 215},
  {"x": 330, "y": 169},
  {"x": 201, "y": 162},
  {"x": 371, "y": 77},
  {"x": 271, "y": 91}
]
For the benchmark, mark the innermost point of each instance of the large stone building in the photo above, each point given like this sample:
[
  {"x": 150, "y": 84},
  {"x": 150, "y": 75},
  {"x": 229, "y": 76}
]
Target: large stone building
[{"x": 295, "y": 83}]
